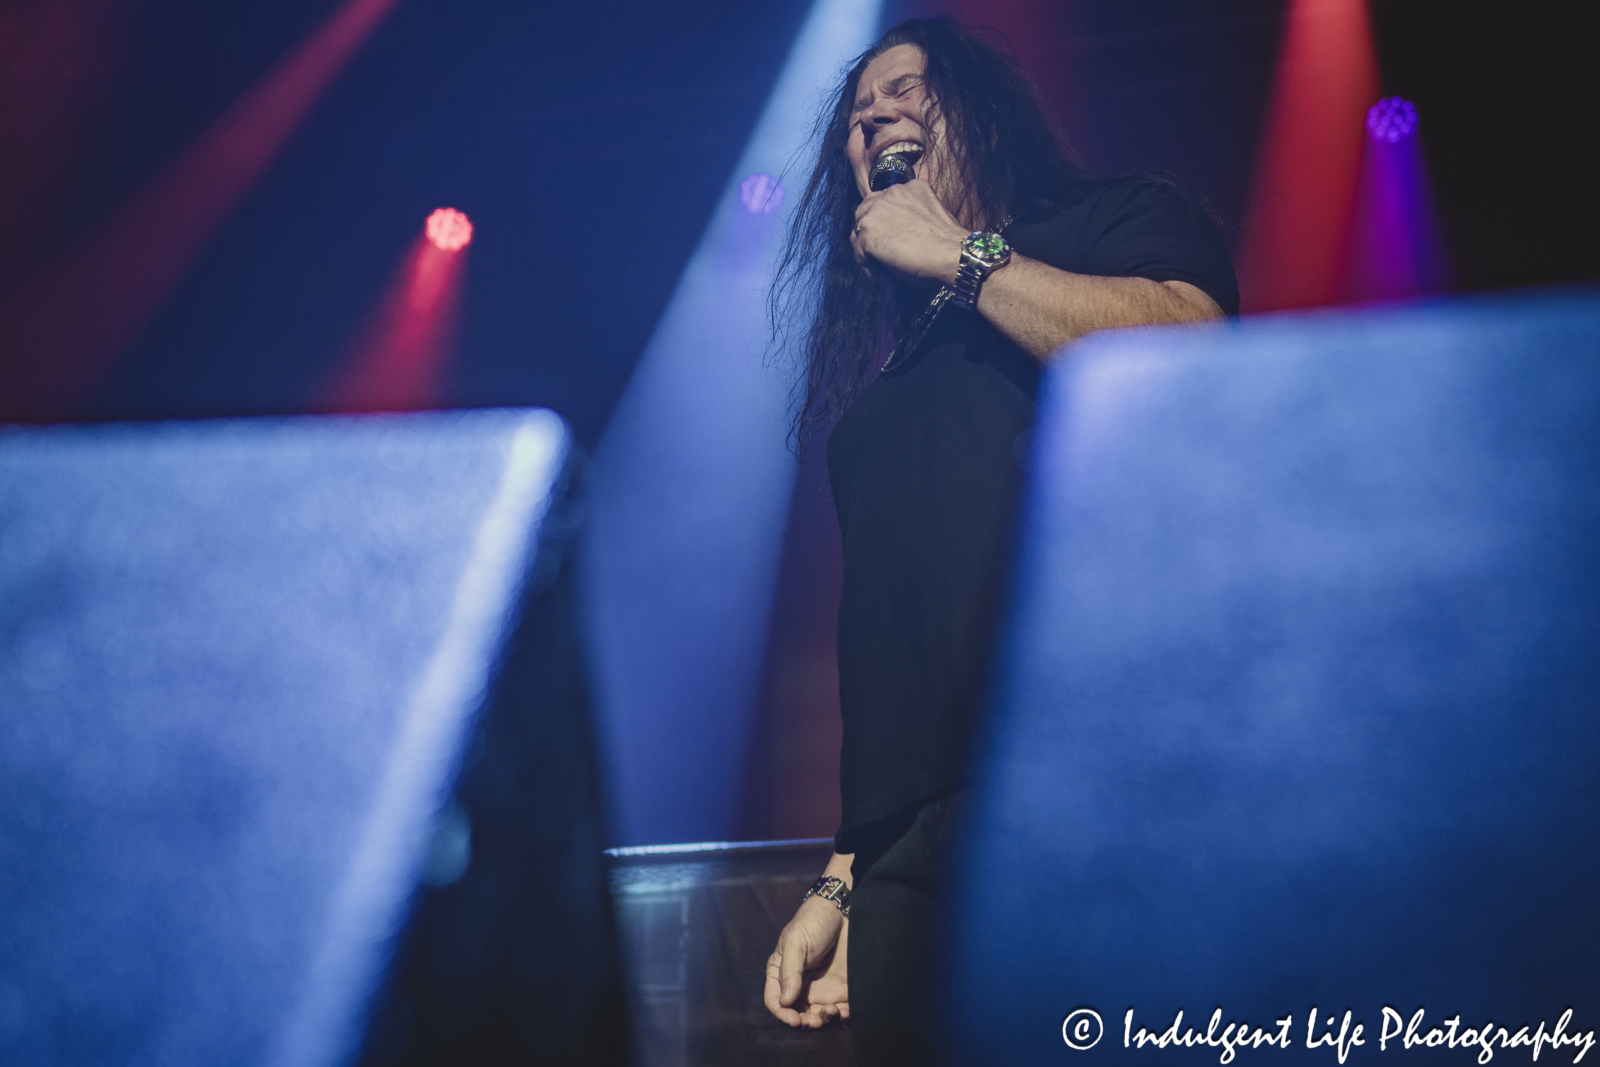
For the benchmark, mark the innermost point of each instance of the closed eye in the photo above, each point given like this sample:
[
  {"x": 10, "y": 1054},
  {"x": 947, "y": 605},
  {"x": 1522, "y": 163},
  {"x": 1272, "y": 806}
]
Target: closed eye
[{"x": 897, "y": 88}]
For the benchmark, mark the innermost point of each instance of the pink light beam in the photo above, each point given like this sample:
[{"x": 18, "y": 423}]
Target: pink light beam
[{"x": 398, "y": 361}]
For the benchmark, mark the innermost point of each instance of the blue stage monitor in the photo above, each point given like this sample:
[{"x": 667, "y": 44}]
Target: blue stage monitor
[
  {"x": 240, "y": 666},
  {"x": 1298, "y": 706}
]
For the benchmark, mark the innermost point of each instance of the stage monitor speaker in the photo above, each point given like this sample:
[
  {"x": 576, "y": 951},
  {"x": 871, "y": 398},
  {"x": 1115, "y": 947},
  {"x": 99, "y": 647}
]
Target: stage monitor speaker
[
  {"x": 1296, "y": 722},
  {"x": 295, "y": 766}
]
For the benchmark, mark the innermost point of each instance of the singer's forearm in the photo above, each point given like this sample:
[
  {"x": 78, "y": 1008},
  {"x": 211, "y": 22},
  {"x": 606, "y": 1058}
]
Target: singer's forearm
[
  {"x": 907, "y": 230},
  {"x": 1041, "y": 308}
]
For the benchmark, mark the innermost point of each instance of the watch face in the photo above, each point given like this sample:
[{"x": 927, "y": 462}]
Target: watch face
[{"x": 987, "y": 246}]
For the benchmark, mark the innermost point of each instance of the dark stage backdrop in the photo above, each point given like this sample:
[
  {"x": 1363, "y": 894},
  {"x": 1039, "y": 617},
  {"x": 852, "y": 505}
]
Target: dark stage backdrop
[
  {"x": 1511, "y": 125},
  {"x": 588, "y": 142}
]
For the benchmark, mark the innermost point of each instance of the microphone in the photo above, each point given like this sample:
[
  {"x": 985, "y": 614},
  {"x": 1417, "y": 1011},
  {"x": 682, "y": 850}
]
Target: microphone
[{"x": 891, "y": 169}]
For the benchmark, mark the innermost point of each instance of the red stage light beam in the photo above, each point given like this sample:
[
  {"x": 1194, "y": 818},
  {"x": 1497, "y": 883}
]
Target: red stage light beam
[
  {"x": 57, "y": 62},
  {"x": 1297, "y": 225},
  {"x": 64, "y": 331},
  {"x": 397, "y": 364}
]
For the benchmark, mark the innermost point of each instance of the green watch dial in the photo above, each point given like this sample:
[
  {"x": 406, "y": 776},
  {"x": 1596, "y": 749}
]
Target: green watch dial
[{"x": 988, "y": 246}]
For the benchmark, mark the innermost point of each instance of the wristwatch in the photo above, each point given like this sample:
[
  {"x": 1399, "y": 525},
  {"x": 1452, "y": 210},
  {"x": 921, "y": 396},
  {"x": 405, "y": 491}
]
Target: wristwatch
[
  {"x": 830, "y": 888},
  {"x": 981, "y": 254}
]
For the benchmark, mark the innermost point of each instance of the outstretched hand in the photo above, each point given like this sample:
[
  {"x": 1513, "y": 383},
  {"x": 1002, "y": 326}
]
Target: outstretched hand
[
  {"x": 807, "y": 982},
  {"x": 906, "y": 231}
]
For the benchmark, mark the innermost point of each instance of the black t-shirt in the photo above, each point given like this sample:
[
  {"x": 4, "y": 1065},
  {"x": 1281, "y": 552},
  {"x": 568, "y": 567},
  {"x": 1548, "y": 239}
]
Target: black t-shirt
[{"x": 926, "y": 469}]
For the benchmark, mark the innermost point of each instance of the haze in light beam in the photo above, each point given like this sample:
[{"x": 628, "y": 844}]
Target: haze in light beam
[
  {"x": 689, "y": 495},
  {"x": 1297, "y": 225},
  {"x": 1397, "y": 248},
  {"x": 398, "y": 361},
  {"x": 65, "y": 330}
]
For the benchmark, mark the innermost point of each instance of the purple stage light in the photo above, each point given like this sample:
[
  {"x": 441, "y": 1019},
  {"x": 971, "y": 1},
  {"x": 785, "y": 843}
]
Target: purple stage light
[
  {"x": 1397, "y": 248},
  {"x": 761, "y": 194},
  {"x": 1391, "y": 119}
]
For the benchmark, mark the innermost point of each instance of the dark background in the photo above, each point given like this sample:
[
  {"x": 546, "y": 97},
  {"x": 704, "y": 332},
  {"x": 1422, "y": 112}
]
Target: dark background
[
  {"x": 1507, "y": 95},
  {"x": 589, "y": 142}
]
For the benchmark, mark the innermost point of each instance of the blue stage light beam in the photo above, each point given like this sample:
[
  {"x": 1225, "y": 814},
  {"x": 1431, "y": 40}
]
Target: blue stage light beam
[{"x": 690, "y": 491}]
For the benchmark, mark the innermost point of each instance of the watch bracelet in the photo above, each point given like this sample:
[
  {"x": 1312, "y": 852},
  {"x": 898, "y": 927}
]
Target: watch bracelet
[
  {"x": 964, "y": 294},
  {"x": 925, "y": 318}
]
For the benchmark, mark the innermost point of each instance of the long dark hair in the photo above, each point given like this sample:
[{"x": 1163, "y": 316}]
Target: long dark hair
[{"x": 1008, "y": 159}]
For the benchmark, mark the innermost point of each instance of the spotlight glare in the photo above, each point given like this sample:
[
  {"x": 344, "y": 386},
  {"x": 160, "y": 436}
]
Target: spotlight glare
[
  {"x": 1391, "y": 119},
  {"x": 761, "y": 194},
  {"x": 449, "y": 229}
]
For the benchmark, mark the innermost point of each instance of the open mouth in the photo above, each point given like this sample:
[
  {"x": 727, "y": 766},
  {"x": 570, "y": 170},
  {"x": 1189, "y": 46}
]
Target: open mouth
[{"x": 911, "y": 150}]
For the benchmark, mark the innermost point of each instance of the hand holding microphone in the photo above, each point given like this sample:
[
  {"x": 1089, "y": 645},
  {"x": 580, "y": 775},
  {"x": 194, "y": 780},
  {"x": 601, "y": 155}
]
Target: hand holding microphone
[{"x": 905, "y": 230}]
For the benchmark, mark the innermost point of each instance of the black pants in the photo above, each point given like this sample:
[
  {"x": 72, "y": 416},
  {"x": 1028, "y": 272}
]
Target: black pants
[{"x": 897, "y": 911}]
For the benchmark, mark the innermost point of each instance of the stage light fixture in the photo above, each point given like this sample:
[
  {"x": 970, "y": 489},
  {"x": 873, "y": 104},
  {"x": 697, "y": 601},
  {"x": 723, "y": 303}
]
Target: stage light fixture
[
  {"x": 1397, "y": 248},
  {"x": 1391, "y": 119},
  {"x": 449, "y": 229},
  {"x": 761, "y": 194}
]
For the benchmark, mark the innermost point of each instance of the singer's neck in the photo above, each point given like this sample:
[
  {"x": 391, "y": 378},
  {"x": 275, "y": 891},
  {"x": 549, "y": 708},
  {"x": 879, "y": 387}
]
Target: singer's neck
[{"x": 967, "y": 210}]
